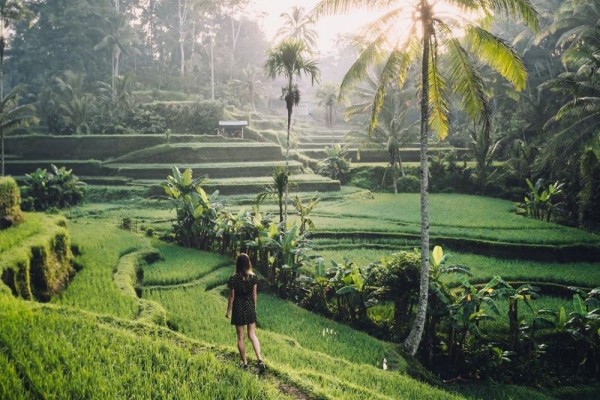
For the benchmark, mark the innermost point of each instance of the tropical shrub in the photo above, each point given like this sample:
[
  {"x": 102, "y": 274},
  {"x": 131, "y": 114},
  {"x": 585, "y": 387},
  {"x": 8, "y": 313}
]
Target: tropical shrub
[
  {"x": 336, "y": 164},
  {"x": 10, "y": 199},
  {"x": 541, "y": 202},
  {"x": 58, "y": 188},
  {"x": 202, "y": 222},
  {"x": 409, "y": 184}
]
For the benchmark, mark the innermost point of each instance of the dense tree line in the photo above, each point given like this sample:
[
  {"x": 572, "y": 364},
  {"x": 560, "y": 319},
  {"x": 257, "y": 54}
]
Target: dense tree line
[{"x": 165, "y": 43}]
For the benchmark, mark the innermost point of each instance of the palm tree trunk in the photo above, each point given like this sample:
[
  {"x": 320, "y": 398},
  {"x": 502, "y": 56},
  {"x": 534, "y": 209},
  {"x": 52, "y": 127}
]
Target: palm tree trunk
[
  {"x": 290, "y": 107},
  {"x": 1, "y": 113},
  {"x": 411, "y": 345}
]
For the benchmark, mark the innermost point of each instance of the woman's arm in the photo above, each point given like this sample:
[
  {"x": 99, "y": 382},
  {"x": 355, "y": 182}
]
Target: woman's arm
[
  {"x": 230, "y": 302},
  {"x": 255, "y": 294}
]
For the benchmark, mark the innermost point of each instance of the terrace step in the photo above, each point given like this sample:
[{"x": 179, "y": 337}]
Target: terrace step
[
  {"x": 233, "y": 186},
  {"x": 216, "y": 170},
  {"x": 197, "y": 153},
  {"x": 98, "y": 147},
  {"x": 321, "y": 139},
  {"x": 79, "y": 167},
  {"x": 369, "y": 156}
]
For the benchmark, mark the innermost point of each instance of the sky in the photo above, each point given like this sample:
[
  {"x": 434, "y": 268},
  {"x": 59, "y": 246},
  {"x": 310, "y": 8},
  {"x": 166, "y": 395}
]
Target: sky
[{"x": 328, "y": 27}]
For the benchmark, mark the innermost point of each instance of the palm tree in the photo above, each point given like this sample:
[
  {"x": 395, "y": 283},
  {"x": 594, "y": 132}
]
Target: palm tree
[
  {"x": 575, "y": 125},
  {"x": 12, "y": 115},
  {"x": 276, "y": 189},
  {"x": 327, "y": 95},
  {"x": 298, "y": 25},
  {"x": 250, "y": 85},
  {"x": 393, "y": 130},
  {"x": 119, "y": 41},
  {"x": 446, "y": 66},
  {"x": 74, "y": 103},
  {"x": 289, "y": 58}
]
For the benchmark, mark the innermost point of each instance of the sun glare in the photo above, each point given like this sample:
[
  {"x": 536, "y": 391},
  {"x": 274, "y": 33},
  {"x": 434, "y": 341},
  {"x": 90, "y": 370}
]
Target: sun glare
[{"x": 330, "y": 28}]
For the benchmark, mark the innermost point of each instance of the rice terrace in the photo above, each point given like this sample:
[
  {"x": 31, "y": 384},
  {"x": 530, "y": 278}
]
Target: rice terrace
[{"x": 323, "y": 199}]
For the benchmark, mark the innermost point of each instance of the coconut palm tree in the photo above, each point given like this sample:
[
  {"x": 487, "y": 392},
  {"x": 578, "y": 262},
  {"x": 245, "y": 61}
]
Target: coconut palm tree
[
  {"x": 250, "y": 85},
  {"x": 13, "y": 115},
  {"x": 298, "y": 25},
  {"x": 393, "y": 130},
  {"x": 290, "y": 58},
  {"x": 119, "y": 40},
  {"x": 327, "y": 95},
  {"x": 575, "y": 125},
  {"x": 446, "y": 65}
]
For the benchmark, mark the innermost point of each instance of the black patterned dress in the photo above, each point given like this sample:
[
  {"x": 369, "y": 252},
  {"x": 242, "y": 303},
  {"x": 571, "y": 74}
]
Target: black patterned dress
[{"x": 243, "y": 311}]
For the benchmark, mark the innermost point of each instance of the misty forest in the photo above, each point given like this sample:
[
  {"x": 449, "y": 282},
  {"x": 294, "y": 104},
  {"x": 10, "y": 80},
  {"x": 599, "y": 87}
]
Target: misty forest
[{"x": 385, "y": 199}]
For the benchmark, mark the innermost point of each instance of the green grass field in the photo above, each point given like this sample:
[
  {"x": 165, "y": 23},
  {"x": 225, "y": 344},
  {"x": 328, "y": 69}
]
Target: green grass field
[
  {"x": 482, "y": 267},
  {"x": 452, "y": 215},
  {"x": 50, "y": 352},
  {"x": 94, "y": 324}
]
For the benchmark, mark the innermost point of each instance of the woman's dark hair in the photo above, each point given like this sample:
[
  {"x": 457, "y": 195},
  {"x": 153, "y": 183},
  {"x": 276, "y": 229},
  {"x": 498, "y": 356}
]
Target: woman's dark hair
[{"x": 243, "y": 266}]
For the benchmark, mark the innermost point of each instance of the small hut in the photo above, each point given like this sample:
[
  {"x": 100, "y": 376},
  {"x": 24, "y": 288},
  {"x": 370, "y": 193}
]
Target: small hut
[{"x": 232, "y": 129}]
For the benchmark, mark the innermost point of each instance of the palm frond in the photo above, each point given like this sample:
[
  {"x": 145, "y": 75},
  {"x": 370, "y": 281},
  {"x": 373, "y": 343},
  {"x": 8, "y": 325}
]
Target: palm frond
[
  {"x": 497, "y": 54},
  {"x": 372, "y": 54},
  {"x": 329, "y": 7},
  {"x": 463, "y": 76},
  {"x": 394, "y": 72},
  {"x": 438, "y": 102},
  {"x": 521, "y": 9}
]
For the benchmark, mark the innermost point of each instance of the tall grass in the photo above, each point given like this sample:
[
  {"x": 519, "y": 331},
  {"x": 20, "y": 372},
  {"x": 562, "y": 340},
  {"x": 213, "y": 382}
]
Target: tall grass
[
  {"x": 343, "y": 363},
  {"x": 65, "y": 356},
  {"x": 34, "y": 224},
  {"x": 93, "y": 288},
  {"x": 452, "y": 215}
]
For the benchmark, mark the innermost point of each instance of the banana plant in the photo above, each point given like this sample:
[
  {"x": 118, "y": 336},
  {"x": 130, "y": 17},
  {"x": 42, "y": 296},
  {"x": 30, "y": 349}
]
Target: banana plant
[
  {"x": 539, "y": 202},
  {"x": 304, "y": 211},
  {"x": 584, "y": 327},
  {"x": 356, "y": 288},
  {"x": 440, "y": 295},
  {"x": 514, "y": 296},
  {"x": 470, "y": 307}
]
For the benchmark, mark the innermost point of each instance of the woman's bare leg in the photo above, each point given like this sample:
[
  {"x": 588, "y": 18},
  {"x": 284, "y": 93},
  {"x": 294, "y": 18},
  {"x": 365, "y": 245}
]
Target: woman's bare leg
[
  {"x": 254, "y": 340},
  {"x": 240, "y": 343}
]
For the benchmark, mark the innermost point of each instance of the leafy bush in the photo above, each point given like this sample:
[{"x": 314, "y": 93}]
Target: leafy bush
[
  {"x": 409, "y": 184},
  {"x": 10, "y": 199},
  {"x": 181, "y": 117},
  {"x": 336, "y": 165},
  {"x": 540, "y": 202},
  {"x": 60, "y": 188},
  {"x": 143, "y": 119}
]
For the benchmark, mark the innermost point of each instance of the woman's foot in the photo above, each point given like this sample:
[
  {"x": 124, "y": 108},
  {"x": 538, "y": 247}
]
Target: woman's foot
[
  {"x": 261, "y": 366},
  {"x": 243, "y": 365}
]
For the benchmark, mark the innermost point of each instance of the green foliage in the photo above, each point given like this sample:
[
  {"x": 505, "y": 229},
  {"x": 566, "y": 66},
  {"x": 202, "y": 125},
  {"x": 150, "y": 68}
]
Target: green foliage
[
  {"x": 113, "y": 359},
  {"x": 204, "y": 223},
  {"x": 589, "y": 209},
  {"x": 128, "y": 276},
  {"x": 59, "y": 188},
  {"x": 540, "y": 203},
  {"x": 10, "y": 202},
  {"x": 336, "y": 164},
  {"x": 304, "y": 211},
  {"x": 36, "y": 261},
  {"x": 276, "y": 189}
]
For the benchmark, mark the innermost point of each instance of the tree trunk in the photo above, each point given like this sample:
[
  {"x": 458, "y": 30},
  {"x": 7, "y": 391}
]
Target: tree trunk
[
  {"x": 513, "y": 319},
  {"x": 1, "y": 113},
  {"x": 182, "y": 55},
  {"x": 289, "y": 100},
  {"x": 411, "y": 345}
]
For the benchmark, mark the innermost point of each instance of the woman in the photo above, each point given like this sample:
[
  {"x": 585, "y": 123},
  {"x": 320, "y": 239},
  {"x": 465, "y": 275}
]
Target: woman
[{"x": 241, "y": 307}]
